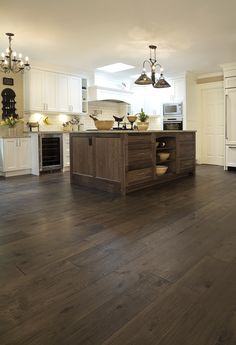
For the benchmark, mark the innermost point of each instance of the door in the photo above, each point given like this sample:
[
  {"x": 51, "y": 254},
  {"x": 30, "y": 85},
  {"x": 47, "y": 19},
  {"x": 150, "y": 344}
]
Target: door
[
  {"x": 213, "y": 125},
  {"x": 230, "y": 115}
]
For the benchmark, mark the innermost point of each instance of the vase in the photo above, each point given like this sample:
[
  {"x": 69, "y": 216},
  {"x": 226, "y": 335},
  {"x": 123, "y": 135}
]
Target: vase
[
  {"x": 11, "y": 131},
  {"x": 143, "y": 126}
]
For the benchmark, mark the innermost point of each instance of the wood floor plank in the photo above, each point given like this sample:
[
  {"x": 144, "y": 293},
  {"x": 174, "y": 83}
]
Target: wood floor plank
[{"x": 86, "y": 267}]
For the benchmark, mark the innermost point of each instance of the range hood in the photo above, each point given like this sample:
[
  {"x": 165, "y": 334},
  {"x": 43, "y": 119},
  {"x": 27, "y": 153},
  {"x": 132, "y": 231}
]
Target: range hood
[{"x": 101, "y": 93}]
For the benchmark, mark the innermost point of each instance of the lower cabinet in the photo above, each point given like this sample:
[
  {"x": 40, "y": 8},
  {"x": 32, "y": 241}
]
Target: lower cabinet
[
  {"x": 230, "y": 156},
  {"x": 15, "y": 156}
]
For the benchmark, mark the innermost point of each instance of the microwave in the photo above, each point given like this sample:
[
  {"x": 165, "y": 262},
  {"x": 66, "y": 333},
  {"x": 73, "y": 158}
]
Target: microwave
[{"x": 173, "y": 109}]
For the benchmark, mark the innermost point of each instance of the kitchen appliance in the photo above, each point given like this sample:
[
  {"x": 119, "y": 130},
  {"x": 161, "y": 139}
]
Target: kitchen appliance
[
  {"x": 50, "y": 151},
  {"x": 172, "y": 123},
  {"x": 175, "y": 109},
  {"x": 230, "y": 121}
]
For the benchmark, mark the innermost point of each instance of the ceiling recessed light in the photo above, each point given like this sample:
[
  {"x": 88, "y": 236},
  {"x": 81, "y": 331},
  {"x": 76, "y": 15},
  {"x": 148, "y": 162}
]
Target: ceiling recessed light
[{"x": 115, "y": 67}]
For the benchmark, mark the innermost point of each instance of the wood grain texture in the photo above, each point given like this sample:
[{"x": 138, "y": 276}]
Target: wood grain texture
[{"x": 85, "y": 267}]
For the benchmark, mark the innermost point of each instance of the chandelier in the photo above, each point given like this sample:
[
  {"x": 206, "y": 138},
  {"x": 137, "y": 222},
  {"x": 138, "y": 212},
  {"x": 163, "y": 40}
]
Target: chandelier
[
  {"x": 10, "y": 62},
  {"x": 145, "y": 80}
]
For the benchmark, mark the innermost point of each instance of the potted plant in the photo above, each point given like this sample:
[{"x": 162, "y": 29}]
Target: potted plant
[
  {"x": 11, "y": 121},
  {"x": 142, "y": 123}
]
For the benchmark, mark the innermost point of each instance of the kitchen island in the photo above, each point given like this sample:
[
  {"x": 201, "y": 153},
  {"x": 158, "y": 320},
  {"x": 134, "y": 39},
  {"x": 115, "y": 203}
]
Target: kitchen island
[{"x": 124, "y": 161}]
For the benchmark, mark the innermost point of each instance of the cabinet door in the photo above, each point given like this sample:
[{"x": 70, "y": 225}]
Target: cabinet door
[
  {"x": 75, "y": 95},
  {"x": 230, "y": 116},
  {"x": 24, "y": 153},
  {"x": 82, "y": 156},
  {"x": 10, "y": 150},
  {"x": 62, "y": 93},
  {"x": 34, "y": 90},
  {"x": 50, "y": 91}
]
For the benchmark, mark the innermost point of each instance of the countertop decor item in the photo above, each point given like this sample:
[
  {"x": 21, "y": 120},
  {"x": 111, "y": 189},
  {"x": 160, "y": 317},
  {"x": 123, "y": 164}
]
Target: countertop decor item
[
  {"x": 102, "y": 124},
  {"x": 11, "y": 122},
  {"x": 10, "y": 62},
  {"x": 142, "y": 124},
  {"x": 152, "y": 61}
]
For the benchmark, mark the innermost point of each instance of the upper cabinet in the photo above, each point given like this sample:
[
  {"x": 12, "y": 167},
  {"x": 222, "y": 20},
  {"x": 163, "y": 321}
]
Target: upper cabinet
[
  {"x": 151, "y": 99},
  {"x": 47, "y": 91}
]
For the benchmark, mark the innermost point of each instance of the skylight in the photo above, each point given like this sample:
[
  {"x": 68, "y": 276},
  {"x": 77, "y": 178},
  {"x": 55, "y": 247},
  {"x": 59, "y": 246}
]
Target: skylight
[{"x": 115, "y": 67}]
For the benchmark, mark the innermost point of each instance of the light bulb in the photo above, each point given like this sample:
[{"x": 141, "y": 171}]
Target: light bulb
[
  {"x": 14, "y": 54},
  {"x": 161, "y": 69},
  {"x": 26, "y": 59},
  {"x": 7, "y": 50},
  {"x": 2, "y": 55},
  {"x": 20, "y": 55}
]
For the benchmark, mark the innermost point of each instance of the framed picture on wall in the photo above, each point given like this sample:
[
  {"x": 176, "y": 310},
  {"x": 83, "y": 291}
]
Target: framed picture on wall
[{"x": 8, "y": 81}]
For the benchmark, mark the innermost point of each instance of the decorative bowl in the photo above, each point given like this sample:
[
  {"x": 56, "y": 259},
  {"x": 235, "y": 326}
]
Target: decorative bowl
[
  {"x": 163, "y": 156},
  {"x": 161, "y": 169},
  {"x": 104, "y": 124}
]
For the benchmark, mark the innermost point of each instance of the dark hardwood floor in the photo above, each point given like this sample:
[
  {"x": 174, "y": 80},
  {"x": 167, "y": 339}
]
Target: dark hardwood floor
[{"x": 82, "y": 267}]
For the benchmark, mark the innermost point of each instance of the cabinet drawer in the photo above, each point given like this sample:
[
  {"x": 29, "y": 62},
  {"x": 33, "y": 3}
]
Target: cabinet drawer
[
  {"x": 139, "y": 139},
  {"x": 186, "y": 136},
  {"x": 140, "y": 158},
  {"x": 139, "y": 176}
]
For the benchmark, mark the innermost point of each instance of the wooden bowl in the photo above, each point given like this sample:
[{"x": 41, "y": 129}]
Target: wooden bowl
[
  {"x": 163, "y": 156},
  {"x": 161, "y": 169},
  {"x": 104, "y": 125}
]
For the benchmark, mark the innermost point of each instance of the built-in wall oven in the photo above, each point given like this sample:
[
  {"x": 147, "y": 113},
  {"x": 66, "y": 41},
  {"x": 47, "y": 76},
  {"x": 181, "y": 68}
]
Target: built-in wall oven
[
  {"x": 50, "y": 151},
  {"x": 172, "y": 123}
]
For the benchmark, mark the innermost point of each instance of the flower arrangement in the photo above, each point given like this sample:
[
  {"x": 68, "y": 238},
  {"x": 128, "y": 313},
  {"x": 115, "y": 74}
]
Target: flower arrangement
[
  {"x": 74, "y": 121},
  {"x": 11, "y": 121}
]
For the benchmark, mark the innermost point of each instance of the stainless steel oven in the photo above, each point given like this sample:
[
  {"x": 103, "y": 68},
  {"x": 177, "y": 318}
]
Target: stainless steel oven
[
  {"x": 50, "y": 151},
  {"x": 172, "y": 123}
]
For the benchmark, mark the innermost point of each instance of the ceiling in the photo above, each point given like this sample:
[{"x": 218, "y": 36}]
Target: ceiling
[{"x": 82, "y": 35}]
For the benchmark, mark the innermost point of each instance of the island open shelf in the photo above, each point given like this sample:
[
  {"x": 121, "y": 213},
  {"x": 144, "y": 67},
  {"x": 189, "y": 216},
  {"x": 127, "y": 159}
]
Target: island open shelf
[{"x": 124, "y": 161}]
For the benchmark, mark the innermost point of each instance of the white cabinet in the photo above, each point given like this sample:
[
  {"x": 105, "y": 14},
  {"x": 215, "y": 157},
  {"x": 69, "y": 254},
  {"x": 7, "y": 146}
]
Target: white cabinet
[
  {"x": 66, "y": 151},
  {"x": 231, "y": 156},
  {"x": 15, "y": 156},
  {"x": 47, "y": 91},
  {"x": 230, "y": 115},
  {"x": 40, "y": 91}
]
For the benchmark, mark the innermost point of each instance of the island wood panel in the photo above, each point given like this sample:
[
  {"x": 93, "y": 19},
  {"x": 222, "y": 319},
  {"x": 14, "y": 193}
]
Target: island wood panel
[
  {"x": 108, "y": 158},
  {"x": 185, "y": 150},
  {"x": 82, "y": 155}
]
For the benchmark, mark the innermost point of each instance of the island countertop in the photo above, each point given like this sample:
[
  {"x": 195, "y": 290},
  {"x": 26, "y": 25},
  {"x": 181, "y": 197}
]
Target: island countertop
[{"x": 122, "y": 161}]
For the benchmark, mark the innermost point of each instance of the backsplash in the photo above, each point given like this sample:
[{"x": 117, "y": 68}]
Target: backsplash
[{"x": 107, "y": 109}]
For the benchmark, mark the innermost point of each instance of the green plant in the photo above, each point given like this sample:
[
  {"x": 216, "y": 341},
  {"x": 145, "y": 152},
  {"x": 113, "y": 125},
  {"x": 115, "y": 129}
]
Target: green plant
[
  {"x": 10, "y": 121},
  {"x": 142, "y": 116}
]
